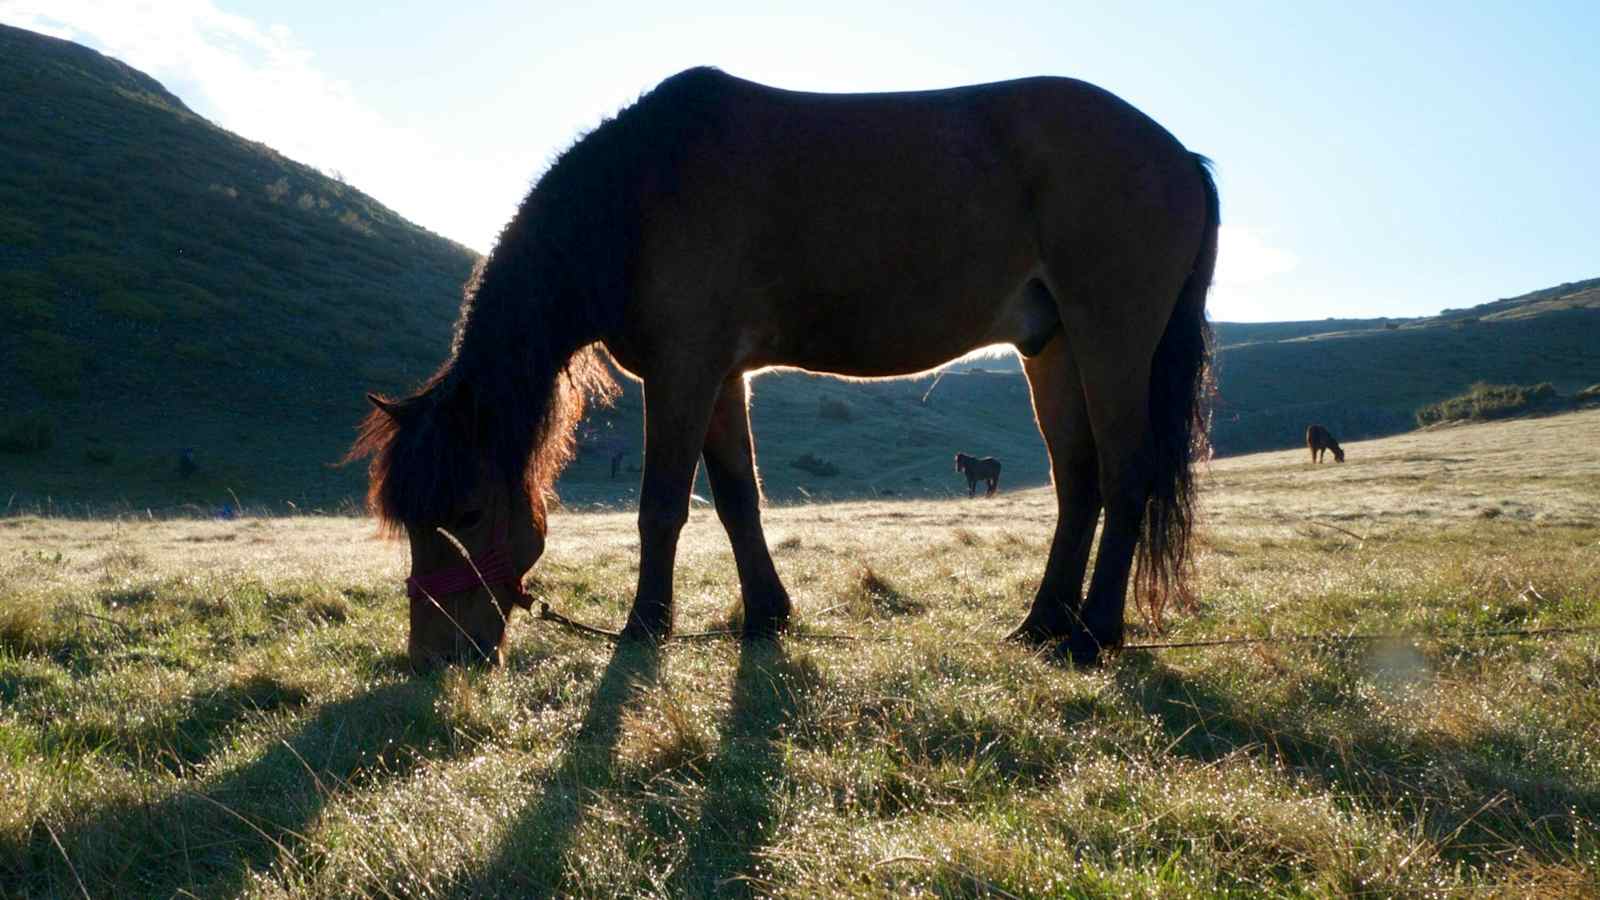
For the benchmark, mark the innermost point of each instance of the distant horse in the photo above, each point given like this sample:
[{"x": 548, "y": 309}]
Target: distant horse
[
  {"x": 976, "y": 470},
  {"x": 718, "y": 227},
  {"x": 1319, "y": 440}
]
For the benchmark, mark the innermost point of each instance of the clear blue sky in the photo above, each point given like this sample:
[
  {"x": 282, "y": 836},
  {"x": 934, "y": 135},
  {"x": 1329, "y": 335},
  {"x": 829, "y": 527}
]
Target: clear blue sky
[{"x": 1374, "y": 159}]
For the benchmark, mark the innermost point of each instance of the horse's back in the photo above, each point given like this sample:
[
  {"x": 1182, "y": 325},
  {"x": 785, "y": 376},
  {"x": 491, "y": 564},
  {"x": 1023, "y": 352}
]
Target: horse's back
[{"x": 887, "y": 233}]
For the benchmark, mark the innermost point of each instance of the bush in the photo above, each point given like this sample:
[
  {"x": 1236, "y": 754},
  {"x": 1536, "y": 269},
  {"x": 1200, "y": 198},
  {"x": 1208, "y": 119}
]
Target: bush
[
  {"x": 837, "y": 410},
  {"x": 815, "y": 465},
  {"x": 1489, "y": 401},
  {"x": 30, "y": 434}
]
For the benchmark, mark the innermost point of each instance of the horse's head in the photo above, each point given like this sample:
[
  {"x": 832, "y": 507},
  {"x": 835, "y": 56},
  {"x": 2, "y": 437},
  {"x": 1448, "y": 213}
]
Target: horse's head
[
  {"x": 466, "y": 574},
  {"x": 1338, "y": 453},
  {"x": 473, "y": 531},
  {"x": 961, "y": 461}
]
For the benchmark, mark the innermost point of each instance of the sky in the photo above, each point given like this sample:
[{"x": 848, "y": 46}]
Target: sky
[{"x": 1374, "y": 159}]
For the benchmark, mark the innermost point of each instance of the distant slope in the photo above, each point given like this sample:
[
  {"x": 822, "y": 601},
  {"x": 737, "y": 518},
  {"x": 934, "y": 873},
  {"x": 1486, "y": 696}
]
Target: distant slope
[
  {"x": 165, "y": 284},
  {"x": 882, "y": 438},
  {"x": 1366, "y": 378}
]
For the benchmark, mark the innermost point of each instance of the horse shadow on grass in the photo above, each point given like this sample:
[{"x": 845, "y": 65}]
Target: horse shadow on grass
[
  {"x": 529, "y": 862},
  {"x": 735, "y": 819},
  {"x": 737, "y": 816},
  {"x": 207, "y": 840},
  {"x": 1474, "y": 800}
]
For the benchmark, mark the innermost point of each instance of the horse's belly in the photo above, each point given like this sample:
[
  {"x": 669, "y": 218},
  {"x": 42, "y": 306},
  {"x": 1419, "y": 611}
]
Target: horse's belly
[{"x": 874, "y": 340}]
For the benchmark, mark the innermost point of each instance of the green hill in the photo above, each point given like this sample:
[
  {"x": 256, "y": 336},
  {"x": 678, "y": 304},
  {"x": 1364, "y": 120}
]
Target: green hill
[
  {"x": 1367, "y": 378},
  {"x": 165, "y": 284}
]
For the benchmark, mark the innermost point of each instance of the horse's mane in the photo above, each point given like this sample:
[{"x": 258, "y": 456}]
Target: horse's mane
[{"x": 523, "y": 362}]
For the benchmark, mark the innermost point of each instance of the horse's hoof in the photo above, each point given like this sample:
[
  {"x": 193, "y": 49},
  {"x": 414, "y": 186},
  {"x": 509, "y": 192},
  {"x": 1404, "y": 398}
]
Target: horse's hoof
[
  {"x": 1087, "y": 652},
  {"x": 1041, "y": 631},
  {"x": 765, "y": 627}
]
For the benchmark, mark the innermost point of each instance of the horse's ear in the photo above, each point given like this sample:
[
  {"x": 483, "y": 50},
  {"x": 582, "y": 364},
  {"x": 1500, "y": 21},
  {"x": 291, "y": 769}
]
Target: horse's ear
[{"x": 384, "y": 406}]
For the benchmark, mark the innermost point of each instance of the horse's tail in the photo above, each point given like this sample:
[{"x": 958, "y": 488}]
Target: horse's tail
[{"x": 1181, "y": 388}]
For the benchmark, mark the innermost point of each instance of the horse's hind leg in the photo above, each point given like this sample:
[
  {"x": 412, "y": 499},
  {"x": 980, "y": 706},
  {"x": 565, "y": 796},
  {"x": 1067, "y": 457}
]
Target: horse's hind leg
[
  {"x": 1114, "y": 346},
  {"x": 730, "y": 466},
  {"x": 1058, "y": 406}
]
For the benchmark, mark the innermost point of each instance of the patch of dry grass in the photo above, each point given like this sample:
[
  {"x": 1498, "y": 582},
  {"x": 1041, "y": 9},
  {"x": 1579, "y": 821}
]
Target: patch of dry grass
[{"x": 223, "y": 708}]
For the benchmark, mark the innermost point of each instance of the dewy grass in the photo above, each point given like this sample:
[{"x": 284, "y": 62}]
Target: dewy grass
[{"x": 223, "y": 708}]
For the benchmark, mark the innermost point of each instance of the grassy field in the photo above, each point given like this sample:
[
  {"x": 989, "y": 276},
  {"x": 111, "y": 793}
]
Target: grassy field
[{"x": 222, "y": 708}]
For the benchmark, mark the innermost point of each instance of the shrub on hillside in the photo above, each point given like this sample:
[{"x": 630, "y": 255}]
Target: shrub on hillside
[
  {"x": 837, "y": 410},
  {"x": 1489, "y": 401},
  {"x": 29, "y": 434},
  {"x": 1589, "y": 394},
  {"x": 815, "y": 465}
]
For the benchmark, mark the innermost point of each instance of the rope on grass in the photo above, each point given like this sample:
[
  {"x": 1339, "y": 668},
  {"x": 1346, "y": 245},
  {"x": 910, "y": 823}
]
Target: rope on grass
[
  {"x": 1487, "y": 634},
  {"x": 550, "y": 615},
  {"x": 546, "y": 613}
]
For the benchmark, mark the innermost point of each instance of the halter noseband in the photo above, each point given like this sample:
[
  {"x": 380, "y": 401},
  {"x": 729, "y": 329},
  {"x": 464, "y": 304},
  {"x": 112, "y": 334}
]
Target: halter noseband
[{"x": 493, "y": 566}]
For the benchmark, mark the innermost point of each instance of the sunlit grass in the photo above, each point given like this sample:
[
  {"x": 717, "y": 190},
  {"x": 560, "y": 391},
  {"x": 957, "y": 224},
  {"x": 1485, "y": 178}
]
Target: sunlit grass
[{"x": 223, "y": 708}]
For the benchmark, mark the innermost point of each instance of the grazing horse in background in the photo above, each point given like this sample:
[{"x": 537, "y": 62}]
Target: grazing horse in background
[
  {"x": 718, "y": 227},
  {"x": 1319, "y": 440},
  {"x": 976, "y": 470}
]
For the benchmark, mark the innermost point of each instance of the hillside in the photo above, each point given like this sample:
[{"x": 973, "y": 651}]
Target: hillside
[
  {"x": 222, "y": 708},
  {"x": 1360, "y": 377},
  {"x": 1367, "y": 378},
  {"x": 165, "y": 284},
  {"x": 879, "y": 435}
]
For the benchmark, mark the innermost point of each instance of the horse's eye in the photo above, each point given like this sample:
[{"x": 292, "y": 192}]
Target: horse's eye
[{"x": 470, "y": 519}]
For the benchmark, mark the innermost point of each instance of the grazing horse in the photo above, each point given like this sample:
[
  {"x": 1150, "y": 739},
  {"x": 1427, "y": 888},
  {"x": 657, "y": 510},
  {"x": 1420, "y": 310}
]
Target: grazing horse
[
  {"x": 718, "y": 227},
  {"x": 976, "y": 470},
  {"x": 1319, "y": 440}
]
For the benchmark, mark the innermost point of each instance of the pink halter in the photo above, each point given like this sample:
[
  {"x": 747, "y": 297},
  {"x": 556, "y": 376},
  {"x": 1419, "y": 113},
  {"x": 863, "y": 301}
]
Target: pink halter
[{"x": 494, "y": 566}]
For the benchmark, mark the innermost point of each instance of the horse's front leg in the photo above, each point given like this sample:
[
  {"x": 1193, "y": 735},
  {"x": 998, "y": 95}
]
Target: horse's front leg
[
  {"x": 676, "y": 416},
  {"x": 730, "y": 466}
]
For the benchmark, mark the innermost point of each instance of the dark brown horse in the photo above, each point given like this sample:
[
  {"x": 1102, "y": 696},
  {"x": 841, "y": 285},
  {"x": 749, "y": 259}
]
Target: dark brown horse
[
  {"x": 986, "y": 470},
  {"x": 718, "y": 227},
  {"x": 1319, "y": 440}
]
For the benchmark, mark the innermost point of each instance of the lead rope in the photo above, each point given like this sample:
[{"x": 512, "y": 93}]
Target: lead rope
[{"x": 548, "y": 614}]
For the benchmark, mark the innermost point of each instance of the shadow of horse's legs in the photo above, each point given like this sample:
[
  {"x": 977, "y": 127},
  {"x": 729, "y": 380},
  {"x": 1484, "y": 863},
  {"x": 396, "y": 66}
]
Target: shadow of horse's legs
[
  {"x": 737, "y": 815},
  {"x": 530, "y": 861}
]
